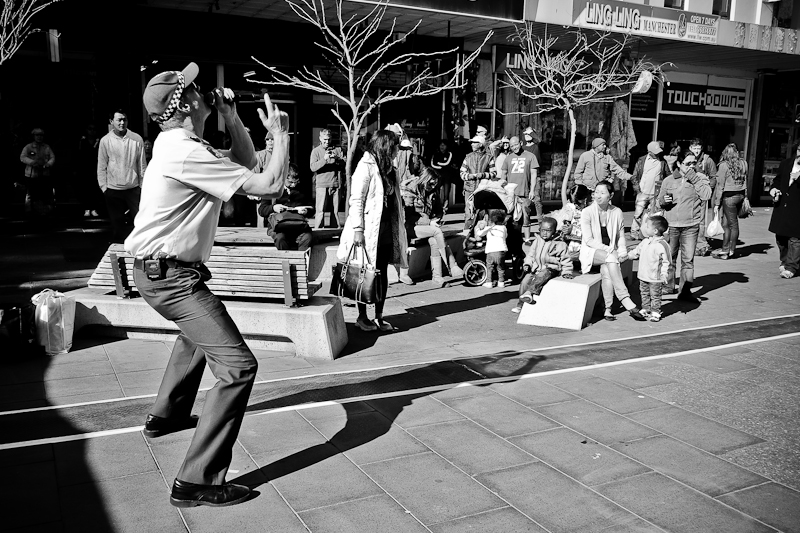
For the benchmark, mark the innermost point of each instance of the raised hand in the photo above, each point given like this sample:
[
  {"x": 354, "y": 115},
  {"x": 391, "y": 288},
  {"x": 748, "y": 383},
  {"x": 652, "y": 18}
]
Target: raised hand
[
  {"x": 274, "y": 120},
  {"x": 223, "y": 101}
]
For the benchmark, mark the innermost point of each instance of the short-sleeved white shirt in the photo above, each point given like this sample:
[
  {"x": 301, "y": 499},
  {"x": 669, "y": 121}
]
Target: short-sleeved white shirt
[{"x": 184, "y": 187}]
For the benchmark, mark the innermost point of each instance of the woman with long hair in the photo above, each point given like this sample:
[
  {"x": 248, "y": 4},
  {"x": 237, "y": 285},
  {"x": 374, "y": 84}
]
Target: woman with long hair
[
  {"x": 375, "y": 221},
  {"x": 603, "y": 244},
  {"x": 729, "y": 196}
]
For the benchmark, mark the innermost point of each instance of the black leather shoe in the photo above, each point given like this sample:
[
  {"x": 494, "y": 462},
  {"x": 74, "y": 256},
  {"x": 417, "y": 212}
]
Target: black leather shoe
[
  {"x": 156, "y": 426},
  {"x": 636, "y": 314},
  {"x": 185, "y": 494}
]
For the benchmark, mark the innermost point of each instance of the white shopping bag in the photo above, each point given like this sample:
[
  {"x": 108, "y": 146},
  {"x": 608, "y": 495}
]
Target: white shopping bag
[
  {"x": 54, "y": 320},
  {"x": 715, "y": 228}
]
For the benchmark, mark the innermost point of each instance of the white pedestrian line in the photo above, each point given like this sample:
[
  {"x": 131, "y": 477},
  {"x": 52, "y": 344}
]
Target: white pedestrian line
[{"x": 410, "y": 392}]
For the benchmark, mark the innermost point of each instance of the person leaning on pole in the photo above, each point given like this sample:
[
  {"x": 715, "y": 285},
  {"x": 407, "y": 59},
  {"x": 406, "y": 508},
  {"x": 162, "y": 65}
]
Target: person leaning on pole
[{"x": 183, "y": 190}]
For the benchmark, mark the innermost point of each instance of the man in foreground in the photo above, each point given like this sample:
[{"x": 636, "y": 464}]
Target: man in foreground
[{"x": 186, "y": 183}]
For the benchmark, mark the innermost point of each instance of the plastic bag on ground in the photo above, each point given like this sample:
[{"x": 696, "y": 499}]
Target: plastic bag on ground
[{"x": 54, "y": 321}]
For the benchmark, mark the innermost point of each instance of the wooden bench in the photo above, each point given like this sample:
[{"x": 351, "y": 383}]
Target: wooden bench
[
  {"x": 236, "y": 271},
  {"x": 568, "y": 303}
]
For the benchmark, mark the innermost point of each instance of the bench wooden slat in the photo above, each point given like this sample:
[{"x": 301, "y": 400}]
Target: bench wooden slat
[
  {"x": 275, "y": 276},
  {"x": 257, "y": 251},
  {"x": 265, "y": 262},
  {"x": 223, "y": 272}
]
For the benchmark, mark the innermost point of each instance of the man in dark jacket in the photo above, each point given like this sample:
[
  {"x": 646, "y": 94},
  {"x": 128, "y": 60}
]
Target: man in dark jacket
[
  {"x": 327, "y": 163},
  {"x": 785, "y": 223},
  {"x": 292, "y": 233},
  {"x": 650, "y": 171}
]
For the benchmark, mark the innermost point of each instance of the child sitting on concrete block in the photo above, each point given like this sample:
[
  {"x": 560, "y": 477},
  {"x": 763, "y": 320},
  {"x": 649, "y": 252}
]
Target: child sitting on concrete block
[{"x": 546, "y": 259}]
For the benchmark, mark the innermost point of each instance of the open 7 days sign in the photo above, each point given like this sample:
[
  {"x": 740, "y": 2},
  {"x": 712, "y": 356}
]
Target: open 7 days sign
[{"x": 648, "y": 21}]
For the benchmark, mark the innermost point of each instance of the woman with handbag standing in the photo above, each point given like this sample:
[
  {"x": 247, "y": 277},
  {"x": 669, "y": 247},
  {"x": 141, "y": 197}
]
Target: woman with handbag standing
[
  {"x": 375, "y": 221},
  {"x": 729, "y": 196}
]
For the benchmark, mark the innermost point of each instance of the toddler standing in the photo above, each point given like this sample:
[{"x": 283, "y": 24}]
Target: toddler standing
[
  {"x": 654, "y": 260},
  {"x": 496, "y": 248}
]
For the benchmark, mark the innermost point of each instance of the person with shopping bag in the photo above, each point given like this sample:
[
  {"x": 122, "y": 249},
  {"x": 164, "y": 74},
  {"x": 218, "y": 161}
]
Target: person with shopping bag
[
  {"x": 683, "y": 198},
  {"x": 375, "y": 221},
  {"x": 729, "y": 196}
]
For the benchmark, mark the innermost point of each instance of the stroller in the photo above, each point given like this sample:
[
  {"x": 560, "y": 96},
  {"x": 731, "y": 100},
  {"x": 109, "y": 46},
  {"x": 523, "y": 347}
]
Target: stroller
[{"x": 476, "y": 271}]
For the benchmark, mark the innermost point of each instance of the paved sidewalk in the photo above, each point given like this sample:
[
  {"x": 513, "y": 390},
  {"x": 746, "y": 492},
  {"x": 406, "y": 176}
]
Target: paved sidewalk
[{"x": 704, "y": 441}]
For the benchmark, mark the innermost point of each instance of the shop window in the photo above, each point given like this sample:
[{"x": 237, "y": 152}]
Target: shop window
[
  {"x": 674, "y": 4},
  {"x": 722, "y": 8}
]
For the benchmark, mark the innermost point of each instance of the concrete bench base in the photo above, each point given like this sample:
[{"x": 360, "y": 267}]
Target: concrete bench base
[
  {"x": 568, "y": 303},
  {"x": 316, "y": 329}
]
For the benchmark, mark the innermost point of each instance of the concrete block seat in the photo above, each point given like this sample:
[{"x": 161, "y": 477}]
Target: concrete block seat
[
  {"x": 249, "y": 274},
  {"x": 568, "y": 303}
]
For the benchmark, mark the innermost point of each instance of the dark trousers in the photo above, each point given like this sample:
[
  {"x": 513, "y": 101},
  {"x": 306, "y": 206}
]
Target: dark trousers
[
  {"x": 292, "y": 240},
  {"x": 533, "y": 282},
  {"x": 651, "y": 295},
  {"x": 496, "y": 261},
  {"x": 208, "y": 334},
  {"x": 789, "y": 248},
  {"x": 118, "y": 203}
]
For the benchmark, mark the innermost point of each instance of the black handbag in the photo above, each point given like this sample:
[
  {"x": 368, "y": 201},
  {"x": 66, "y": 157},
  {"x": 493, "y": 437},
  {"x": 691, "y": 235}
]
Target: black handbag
[
  {"x": 359, "y": 282},
  {"x": 288, "y": 221}
]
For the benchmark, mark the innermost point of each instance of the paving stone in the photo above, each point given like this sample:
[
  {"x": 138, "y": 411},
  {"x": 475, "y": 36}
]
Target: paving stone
[
  {"x": 677, "y": 508},
  {"x": 780, "y": 382},
  {"x": 376, "y": 515},
  {"x": 147, "y": 379},
  {"x": 556, "y": 502},
  {"x": 697, "y": 430},
  {"x": 412, "y": 411},
  {"x": 722, "y": 385},
  {"x": 779, "y": 462},
  {"x": 278, "y": 431},
  {"x": 769, "y": 361},
  {"x": 714, "y": 363},
  {"x": 266, "y": 512},
  {"x": 464, "y": 391},
  {"x": 22, "y": 392},
  {"x": 631, "y": 376},
  {"x": 269, "y": 365},
  {"x": 532, "y": 392},
  {"x": 139, "y": 362},
  {"x": 791, "y": 341},
  {"x": 98, "y": 459},
  {"x": 126, "y": 348},
  {"x": 27, "y": 455},
  {"x": 432, "y": 489},
  {"x": 507, "y": 520},
  {"x": 37, "y": 479},
  {"x": 170, "y": 456},
  {"x": 583, "y": 459},
  {"x": 368, "y": 437},
  {"x": 610, "y": 395},
  {"x": 335, "y": 411},
  {"x": 17, "y": 371},
  {"x": 85, "y": 355},
  {"x": 84, "y": 385},
  {"x": 457, "y": 442},
  {"x": 78, "y": 370},
  {"x": 778, "y": 348},
  {"x": 133, "y": 503},
  {"x": 500, "y": 414},
  {"x": 771, "y": 503},
  {"x": 595, "y": 422},
  {"x": 689, "y": 465},
  {"x": 318, "y": 477}
]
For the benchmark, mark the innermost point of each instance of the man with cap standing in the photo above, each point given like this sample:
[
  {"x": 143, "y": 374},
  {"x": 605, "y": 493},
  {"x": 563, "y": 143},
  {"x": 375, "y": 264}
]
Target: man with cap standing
[
  {"x": 477, "y": 166},
  {"x": 521, "y": 167},
  {"x": 596, "y": 165},
  {"x": 327, "y": 164},
  {"x": 649, "y": 172},
  {"x": 120, "y": 170},
  {"x": 184, "y": 188}
]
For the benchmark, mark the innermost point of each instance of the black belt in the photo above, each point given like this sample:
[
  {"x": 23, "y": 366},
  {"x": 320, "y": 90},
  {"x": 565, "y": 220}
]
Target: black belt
[{"x": 171, "y": 263}]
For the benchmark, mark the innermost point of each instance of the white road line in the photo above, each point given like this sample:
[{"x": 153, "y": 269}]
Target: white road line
[
  {"x": 433, "y": 361},
  {"x": 411, "y": 392}
]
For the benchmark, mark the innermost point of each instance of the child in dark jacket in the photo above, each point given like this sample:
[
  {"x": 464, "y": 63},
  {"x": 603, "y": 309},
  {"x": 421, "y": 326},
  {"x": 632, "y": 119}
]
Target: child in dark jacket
[{"x": 546, "y": 259}]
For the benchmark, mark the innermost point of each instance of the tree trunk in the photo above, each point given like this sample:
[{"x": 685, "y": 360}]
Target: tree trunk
[{"x": 564, "y": 183}]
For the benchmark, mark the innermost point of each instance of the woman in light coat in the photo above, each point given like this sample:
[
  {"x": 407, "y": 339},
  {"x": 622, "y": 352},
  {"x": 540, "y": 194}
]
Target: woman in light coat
[
  {"x": 375, "y": 221},
  {"x": 603, "y": 244}
]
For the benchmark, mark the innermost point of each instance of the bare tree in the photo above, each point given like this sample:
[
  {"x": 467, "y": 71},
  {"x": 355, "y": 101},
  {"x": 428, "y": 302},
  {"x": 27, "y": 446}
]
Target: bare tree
[
  {"x": 593, "y": 70},
  {"x": 15, "y": 24},
  {"x": 361, "y": 56}
]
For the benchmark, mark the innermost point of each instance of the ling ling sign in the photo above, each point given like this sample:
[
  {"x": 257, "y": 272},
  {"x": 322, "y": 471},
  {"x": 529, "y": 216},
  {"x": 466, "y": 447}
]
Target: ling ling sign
[{"x": 647, "y": 21}]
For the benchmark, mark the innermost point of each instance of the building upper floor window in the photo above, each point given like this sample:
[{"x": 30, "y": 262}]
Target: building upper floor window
[
  {"x": 674, "y": 4},
  {"x": 722, "y": 8}
]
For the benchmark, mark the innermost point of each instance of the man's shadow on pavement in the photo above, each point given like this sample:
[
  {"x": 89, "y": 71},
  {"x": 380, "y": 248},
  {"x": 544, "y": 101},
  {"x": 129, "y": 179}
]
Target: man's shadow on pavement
[
  {"x": 363, "y": 427},
  {"x": 751, "y": 249},
  {"x": 53, "y": 486}
]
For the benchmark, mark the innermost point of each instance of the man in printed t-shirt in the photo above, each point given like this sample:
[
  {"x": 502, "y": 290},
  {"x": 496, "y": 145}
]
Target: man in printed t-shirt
[{"x": 521, "y": 167}]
